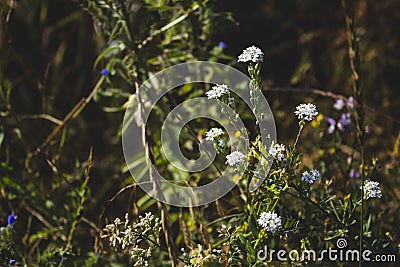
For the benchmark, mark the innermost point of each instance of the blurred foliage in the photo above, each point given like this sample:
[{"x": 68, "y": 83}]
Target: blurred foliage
[{"x": 52, "y": 53}]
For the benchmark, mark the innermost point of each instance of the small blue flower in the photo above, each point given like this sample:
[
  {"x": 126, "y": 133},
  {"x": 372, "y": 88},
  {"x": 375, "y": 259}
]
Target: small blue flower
[
  {"x": 222, "y": 45},
  {"x": 62, "y": 260},
  {"x": 311, "y": 176},
  {"x": 105, "y": 72},
  {"x": 12, "y": 262},
  {"x": 11, "y": 219}
]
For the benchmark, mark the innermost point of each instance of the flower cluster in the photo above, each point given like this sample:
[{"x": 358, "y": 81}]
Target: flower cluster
[
  {"x": 213, "y": 133},
  {"x": 198, "y": 257},
  {"x": 372, "y": 190},
  {"x": 251, "y": 53},
  {"x": 344, "y": 122},
  {"x": 277, "y": 151},
  {"x": 311, "y": 176},
  {"x": 135, "y": 238},
  {"x": 217, "y": 91},
  {"x": 306, "y": 112},
  {"x": 234, "y": 158},
  {"x": 270, "y": 221},
  {"x": 230, "y": 251}
]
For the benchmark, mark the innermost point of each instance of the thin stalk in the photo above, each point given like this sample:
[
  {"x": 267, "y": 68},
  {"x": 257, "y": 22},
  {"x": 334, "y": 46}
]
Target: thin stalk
[
  {"x": 298, "y": 134},
  {"x": 83, "y": 196},
  {"x": 358, "y": 113}
]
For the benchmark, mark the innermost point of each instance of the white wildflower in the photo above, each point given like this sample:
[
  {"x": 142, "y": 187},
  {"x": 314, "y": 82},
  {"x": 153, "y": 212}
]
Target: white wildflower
[
  {"x": 277, "y": 151},
  {"x": 214, "y": 133},
  {"x": 235, "y": 158},
  {"x": 251, "y": 53},
  {"x": 270, "y": 221},
  {"x": 371, "y": 189},
  {"x": 311, "y": 176},
  {"x": 217, "y": 91},
  {"x": 306, "y": 112}
]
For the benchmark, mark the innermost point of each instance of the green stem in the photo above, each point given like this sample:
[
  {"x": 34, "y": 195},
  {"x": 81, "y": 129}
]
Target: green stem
[
  {"x": 301, "y": 124},
  {"x": 315, "y": 204}
]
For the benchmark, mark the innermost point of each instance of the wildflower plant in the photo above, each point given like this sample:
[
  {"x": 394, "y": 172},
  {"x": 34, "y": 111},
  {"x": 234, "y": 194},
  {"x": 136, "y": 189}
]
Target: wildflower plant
[
  {"x": 139, "y": 239},
  {"x": 262, "y": 221},
  {"x": 319, "y": 183}
]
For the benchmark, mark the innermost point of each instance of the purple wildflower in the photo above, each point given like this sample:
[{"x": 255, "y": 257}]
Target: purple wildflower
[
  {"x": 332, "y": 124},
  {"x": 339, "y": 104},
  {"x": 344, "y": 121},
  {"x": 354, "y": 173},
  {"x": 350, "y": 102},
  {"x": 12, "y": 262}
]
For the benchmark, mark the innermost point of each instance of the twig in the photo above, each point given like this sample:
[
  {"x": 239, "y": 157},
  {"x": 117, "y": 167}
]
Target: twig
[
  {"x": 225, "y": 217},
  {"x": 44, "y": 221},
  {"x": 330, "y": 95},
  {"x": 45, "y": 117},
  {"x": 169, "y": 25},
  {"x": 156, "y": 186},
  {"x": 307, "y": 90},
  {"x": 12, "y": 5},
  {"x": 73, "y": 113}
]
